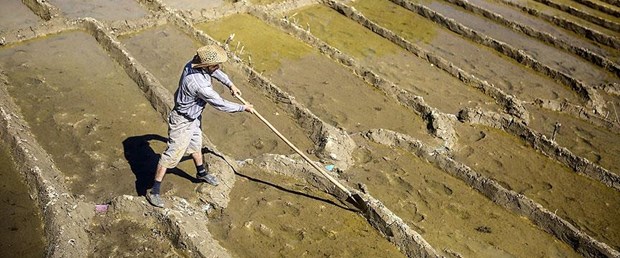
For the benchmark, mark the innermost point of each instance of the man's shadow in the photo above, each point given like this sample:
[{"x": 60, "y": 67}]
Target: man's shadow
[{"x": 143, "y": 161}]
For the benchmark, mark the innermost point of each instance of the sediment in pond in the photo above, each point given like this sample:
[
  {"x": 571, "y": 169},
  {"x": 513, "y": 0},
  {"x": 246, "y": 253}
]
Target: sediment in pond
[
  {"x": 44, "y": 181},
  {"x": 106, "y": 11},
  {"x": 561, "y": 19},
  {"x": 544, "y": 55},
  {"x": 426, "y": 198},
  {"x": 392, "y": 227},
  {"x": 597, "y": 144},
  {"x": 563, "y": 106},
  {"x": 470, "y": 57},
  {"x": 15, "y": 15},
  {"x": 499, "y": 155},
  {"x": 483, "y": 62},
  {"x": 391, "y": 62},
  {"x": 509, "y": 199},
  {"x": 541, "y": 143},
  {"x": 290, "y": 56},
  {"x": 586, "y": 13},
  {"x": 275, "y": 215},
  {"x": 511, "y": 104},
  {"x": 544, "y": 31}
]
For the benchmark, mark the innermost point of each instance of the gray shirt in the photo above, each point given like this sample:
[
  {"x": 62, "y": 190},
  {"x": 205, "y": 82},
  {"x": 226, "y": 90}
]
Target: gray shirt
[{"x": 196, "y": 90}]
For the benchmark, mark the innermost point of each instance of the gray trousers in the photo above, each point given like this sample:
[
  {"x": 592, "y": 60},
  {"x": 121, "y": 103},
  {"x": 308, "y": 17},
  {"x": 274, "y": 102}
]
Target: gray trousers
[{"x": 184, "y": 137}]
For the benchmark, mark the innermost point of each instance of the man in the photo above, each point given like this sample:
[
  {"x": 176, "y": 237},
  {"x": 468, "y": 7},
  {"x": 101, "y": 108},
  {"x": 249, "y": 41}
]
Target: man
[{"x": 184, "y": 122}]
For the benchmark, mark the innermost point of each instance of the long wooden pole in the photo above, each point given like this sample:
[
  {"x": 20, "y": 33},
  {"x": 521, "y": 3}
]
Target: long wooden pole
[{"x": 312, "y": 163}]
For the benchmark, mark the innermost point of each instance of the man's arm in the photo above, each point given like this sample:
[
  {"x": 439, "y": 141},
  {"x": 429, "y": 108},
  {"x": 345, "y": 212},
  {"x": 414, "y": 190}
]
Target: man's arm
[
  {"x": 224, "y": 79},
  {"x": 214, "y": 99}
]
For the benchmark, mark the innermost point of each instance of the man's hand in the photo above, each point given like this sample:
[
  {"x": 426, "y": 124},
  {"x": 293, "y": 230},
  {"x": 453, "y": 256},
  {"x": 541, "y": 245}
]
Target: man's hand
[
  {"x": 234, "y": 90},
  {"x": 248, "y": 108}
]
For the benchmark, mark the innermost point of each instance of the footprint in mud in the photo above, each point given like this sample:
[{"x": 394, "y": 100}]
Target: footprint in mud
[
  {"x": 362, "y": 155},
  {"x": 481, "y": 136},
  {"x": 267, "y": 146},
  {"x": 555, "y": 95},
  {"x": 439, "y": 187},
  {"x": 415, "y": 216},
  {"x": 504, "y": 184},
  {"x": 484, "y": 229},
  {"x": 585, "y": 137},
  {"x": 447, "y": 190},
  {"x": 526, "y": 188},
  {"x": 457, "y": 209},
  {"x": 596, "y": 158},
  {"x": 504, "y": 84},
  {"x": 467, "y": 151}
]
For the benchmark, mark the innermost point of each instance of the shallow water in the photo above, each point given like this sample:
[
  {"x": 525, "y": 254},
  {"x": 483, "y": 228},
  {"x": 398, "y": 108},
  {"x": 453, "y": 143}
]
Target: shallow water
[
  {"x": 328, "y": 89},
  {"x": 555, "y": 12},
  {"x": 546, "y": 27},
  {"x": 15, "y": 15},
  {"x": 266, "y": 2},
  {"x": 194, "y": 5},
  {"x": 104, "y": 148},
  {"x": 276, "y": 216},
  {"x": 588, "y": 10},
  {"x": 240, "y": 135},
  {"x": 21, "y": 227},
  {"x": 559, "y": 60},
  {"x": 448, "y": 213},
  {"x": 482, "y": 62},
  {"x": 266, "y": 50},
  {"x": 518, "y": 167},
  {"x": 392, "y": 62},
  {"x": 103, "y": 10}
]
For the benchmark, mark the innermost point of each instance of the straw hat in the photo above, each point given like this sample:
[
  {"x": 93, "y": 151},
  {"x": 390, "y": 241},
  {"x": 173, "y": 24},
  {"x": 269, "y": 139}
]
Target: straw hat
[{"x": 210, "y": 55}]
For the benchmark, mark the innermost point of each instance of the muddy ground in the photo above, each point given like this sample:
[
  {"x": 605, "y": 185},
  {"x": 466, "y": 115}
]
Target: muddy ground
[{"x": 468, "y": 129}]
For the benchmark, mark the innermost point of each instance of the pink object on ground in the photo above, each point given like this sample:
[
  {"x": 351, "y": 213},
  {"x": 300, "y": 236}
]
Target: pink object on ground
[{"x": 101, "y": 207}]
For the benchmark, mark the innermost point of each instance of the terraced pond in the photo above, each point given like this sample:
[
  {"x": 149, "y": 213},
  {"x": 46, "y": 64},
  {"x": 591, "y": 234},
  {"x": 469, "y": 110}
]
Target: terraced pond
[{"x": 84, "y": 112}]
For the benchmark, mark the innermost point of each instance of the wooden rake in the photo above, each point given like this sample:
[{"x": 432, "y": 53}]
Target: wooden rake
[{"x": 354, "y": 199}]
